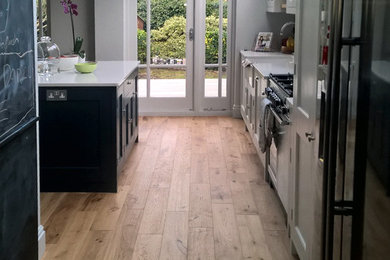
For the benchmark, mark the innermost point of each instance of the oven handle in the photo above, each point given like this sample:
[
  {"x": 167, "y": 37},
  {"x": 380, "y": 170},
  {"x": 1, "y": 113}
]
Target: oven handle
[{"x": 278, "y": 118}]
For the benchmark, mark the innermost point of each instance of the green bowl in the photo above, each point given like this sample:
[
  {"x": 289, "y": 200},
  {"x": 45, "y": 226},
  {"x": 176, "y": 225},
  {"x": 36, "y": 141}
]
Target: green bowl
[{"x": 86, "y": 67}]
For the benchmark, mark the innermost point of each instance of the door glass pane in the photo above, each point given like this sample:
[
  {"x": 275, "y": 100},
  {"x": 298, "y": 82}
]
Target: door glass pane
[
  {"x": 142, "y": 82},
  {"x": 224, "y": 82},
  {"x": 377, "y": 191},
  {"x": 168, "y": 82},
  {"x": 168, "y": 47},
  {"x": 42, "y": 18},
  {"x": 215, "y": 48},
  {"x": 224, "y": 35},
  {"x": 141, "y": 31},
  {"x": 211, "y": 82}
]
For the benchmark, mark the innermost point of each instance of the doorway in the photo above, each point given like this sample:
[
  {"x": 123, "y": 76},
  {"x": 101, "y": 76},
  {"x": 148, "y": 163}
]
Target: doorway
[{"x": 182, "y": 50}]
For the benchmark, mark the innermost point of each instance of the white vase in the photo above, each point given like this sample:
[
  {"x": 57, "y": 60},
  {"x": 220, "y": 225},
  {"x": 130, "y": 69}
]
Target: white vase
[{"x": 82, "y": 60}]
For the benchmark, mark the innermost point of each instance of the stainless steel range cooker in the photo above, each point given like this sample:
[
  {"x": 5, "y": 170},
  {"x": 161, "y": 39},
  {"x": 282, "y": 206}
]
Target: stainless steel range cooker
[{"x": 279, "y": 153}]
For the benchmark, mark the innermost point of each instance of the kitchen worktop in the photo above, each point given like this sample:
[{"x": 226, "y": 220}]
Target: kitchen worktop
[
  {"x": 277, "y": 66},
  {"x": 269, "y": 62},
  {"x": 107, "y": 73},
  {"x": 254, "y": 54}
]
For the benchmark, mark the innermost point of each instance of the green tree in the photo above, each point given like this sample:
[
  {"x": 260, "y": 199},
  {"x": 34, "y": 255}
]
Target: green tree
[
  {"x": 212, "y": 39},
  {"x": 161, "y": 11},
  {"x": 170, "y": 40},
  {"x": 141, "y": 9},
  {"x": 212, "y": 8},
  {"x": 141, "y": 37}
]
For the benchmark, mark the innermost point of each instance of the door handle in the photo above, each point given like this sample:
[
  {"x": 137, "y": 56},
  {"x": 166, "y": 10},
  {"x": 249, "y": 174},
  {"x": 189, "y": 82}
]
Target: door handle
[
  {"x": 191, "y": 34},
  {"x": 310, "y": 136}
]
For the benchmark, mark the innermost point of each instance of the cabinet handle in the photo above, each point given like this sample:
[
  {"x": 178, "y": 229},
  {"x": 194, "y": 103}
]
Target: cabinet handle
[{"x": 310, "y": 136}]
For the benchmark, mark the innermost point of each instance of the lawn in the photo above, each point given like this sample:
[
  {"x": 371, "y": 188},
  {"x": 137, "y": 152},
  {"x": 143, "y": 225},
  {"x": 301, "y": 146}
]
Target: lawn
[{"x": 174, "y": 74}]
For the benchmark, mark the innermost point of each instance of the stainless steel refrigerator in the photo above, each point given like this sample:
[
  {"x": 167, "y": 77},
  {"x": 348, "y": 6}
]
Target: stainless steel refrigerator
[{"x": 356, "y": 132}]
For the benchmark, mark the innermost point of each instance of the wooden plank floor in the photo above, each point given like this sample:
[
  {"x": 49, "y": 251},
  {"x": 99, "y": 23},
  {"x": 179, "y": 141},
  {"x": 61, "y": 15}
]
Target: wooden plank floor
[{"x": 192, "y": 188}]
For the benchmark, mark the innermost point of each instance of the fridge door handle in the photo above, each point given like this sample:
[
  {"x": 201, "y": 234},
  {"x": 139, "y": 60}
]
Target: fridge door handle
[{"x": 310, "y": 137}]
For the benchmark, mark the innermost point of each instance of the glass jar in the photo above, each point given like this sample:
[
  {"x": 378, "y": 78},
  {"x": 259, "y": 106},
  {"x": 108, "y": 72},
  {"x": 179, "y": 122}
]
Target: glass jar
[{"x": 48, "y": 57}]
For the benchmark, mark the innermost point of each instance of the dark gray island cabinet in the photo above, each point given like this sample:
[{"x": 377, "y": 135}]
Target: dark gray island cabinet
[{"x": 88, "y": 127}]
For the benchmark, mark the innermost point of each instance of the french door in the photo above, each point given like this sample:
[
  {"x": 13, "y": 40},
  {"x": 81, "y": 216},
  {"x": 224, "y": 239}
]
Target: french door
[{"x": 182, "y": 49}]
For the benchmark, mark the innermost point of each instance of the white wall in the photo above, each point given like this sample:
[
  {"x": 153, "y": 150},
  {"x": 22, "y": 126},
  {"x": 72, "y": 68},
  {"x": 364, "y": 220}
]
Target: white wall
[
  {"x": 252, "y": 18},
  {"x": 116, "y": 29},
  {"x": 61, "y": 29},
  {"x": 131, "y": 30}
]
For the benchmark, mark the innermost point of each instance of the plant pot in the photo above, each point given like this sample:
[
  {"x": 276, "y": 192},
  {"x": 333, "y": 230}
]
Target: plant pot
[
  {"x": 82, "y": 60},
  {"x": 67, "y": 62}
]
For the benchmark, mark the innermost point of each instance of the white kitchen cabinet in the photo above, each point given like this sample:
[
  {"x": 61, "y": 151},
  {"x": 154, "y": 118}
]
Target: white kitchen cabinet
[
  {"x": 275, "y": 6},
  {"x": 305, "y": 182},
  {"x": 254, "y": 80},
  {"x": 246, "y": 83},
  {"x": 290, "y": 6}
]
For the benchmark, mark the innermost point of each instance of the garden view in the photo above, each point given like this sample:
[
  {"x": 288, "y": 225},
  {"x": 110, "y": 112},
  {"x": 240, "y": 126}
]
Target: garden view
[{"x": 168, "y": 43}]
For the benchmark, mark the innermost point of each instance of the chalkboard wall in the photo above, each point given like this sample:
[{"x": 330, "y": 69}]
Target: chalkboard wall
[
  {"x": 18, "y": 143},
  {"x": 17, "y": 78}
]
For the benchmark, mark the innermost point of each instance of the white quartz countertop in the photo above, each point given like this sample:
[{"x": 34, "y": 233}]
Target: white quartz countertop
[
  {"x": 107, "y": 73},
  {"x": 255, "y": 54},
  {"x": 276, "y": 66}
]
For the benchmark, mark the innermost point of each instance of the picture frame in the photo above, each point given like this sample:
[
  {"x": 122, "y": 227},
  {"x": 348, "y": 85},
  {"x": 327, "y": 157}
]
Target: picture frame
[{"x": 263, "y": 41}]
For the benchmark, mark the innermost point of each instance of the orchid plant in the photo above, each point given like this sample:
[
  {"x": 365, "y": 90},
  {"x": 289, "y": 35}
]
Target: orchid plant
[{"x": 71, "y": 9}]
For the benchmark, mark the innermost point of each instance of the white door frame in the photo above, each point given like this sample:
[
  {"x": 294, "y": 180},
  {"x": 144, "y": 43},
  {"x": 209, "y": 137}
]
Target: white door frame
[
  {"x": 168, "y": 105},
  {"x": 194, "y": 103},
  {"x": 210, "y": 105}
]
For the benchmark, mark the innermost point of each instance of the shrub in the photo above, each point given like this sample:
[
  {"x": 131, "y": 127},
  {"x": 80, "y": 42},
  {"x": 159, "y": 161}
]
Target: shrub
[
  {"x": 161, "y": 11},
  {"x": 141, "y": 38},
  {"x": 170, "y": 40}
]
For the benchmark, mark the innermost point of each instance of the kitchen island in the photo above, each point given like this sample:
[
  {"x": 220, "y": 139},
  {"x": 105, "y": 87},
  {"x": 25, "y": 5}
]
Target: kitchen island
[{"x": 88, "y": 126}]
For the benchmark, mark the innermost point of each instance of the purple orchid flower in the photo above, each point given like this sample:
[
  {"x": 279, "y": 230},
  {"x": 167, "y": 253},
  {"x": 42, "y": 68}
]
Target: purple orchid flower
[
  {"x": 65, "y": 6},
  {"x": 71, "y": 9}
]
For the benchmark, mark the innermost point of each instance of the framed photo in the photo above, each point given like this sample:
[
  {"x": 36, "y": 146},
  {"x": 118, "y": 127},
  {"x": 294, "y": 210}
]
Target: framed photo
[{"x": 263, "y": 41}]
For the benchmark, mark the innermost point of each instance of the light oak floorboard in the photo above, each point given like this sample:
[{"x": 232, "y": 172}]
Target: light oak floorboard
[
  {"x": 199, "y": 168},
  {"x": 254, "y": 245},
  {"x": 95, "y": 245},
  {"x": 124, "y": 238},
  {"x": 74, "y": 236},
  {"x": 174, "y": 241},
  {"x": 201, "y": 244},
  {"x": 147, "y": 247},
  {"x": 221, "y": 194},
  {"x": 226, "y": 236},
  {"x": 154, "y": 214},
  {"x": 242, "y": 198},
  {"x": 179, "y": 193},
  {"x": 108, "y": 215},
  {"x": 200, "y": 206}
]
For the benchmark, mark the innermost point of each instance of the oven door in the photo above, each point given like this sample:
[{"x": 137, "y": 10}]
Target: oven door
[{"x": 279, "y": 157}]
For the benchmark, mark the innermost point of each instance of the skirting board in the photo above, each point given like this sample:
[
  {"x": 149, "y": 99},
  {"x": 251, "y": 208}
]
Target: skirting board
[
  {"x": 41, "y": 241},
  {"x": 236, "y": 111},
  {"x": 189, "y": 113}
]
